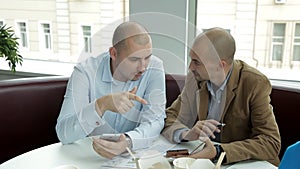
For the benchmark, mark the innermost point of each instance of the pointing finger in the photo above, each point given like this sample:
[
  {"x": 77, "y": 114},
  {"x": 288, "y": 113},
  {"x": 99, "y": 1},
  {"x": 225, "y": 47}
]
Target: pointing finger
[
  {"x": 137, "y": 98},
  {"x": 133, "y": 91}
]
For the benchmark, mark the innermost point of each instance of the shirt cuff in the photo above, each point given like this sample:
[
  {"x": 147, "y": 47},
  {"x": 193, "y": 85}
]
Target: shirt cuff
[
  {"x": 177, "y": 135},
  {"x": 89, "y": 118},
  {"x": 138, "y": 142}
]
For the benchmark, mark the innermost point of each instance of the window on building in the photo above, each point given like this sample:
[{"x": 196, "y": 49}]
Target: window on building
[
  {"x": 1, "y": 23},
  {"x": 296, "y": 49},
  {"x": 278, "y": 41},
  {"x": 86, "y": 31},
  {"x": 46, "y": 36},
  {"x": 23, "y": 34}
]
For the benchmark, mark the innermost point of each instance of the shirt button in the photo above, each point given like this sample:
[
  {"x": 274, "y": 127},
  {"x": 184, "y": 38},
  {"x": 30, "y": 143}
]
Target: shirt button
[{"x": 97, "y": 123}]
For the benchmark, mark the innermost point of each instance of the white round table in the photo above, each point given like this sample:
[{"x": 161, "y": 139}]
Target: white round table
[{"x": 80, "y": 154}]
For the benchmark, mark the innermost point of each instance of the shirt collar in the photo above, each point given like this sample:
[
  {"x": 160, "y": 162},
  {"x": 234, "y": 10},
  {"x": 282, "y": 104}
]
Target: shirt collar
[
  {"x": 222, "y": 87},
  {"x": 107, "y": 75}
]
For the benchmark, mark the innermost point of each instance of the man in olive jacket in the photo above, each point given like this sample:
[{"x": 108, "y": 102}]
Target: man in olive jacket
[{"x": 219, "y": 89}]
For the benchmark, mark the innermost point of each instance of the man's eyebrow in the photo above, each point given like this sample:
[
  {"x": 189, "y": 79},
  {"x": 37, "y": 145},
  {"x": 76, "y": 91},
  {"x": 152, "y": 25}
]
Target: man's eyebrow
[
  {"x": 148, "y": 55},
  {"x": 135, "y": 57}
]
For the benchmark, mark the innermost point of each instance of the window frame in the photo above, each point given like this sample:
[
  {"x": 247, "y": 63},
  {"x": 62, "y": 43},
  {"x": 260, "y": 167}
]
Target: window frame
[
  {"x": 293, "y": 44},
  {"x": 42, "y": 37},
  {"x": 81, "y": 40},
  {"x": 89, "y": 39},
  {"x": 18, "y": 35},
  {"x": 288, "y": 46},
  {"x": 278, "y": 43}
]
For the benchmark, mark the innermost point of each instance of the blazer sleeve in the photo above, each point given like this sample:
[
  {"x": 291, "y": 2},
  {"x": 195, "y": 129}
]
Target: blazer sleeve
[
  {"x": 183, "y": 111},
  {"x": 264, "y": 139}
]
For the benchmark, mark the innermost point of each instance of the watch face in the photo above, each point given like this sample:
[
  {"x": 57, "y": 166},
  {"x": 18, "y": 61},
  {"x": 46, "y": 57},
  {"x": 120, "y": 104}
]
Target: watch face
[{"x": 129, "y": 143}]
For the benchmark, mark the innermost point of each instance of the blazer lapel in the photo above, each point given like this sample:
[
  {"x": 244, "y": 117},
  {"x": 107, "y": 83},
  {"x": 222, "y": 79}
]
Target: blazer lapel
[
  {"x": 231, "y": 86},
  {"x": 229, "y": 97}
]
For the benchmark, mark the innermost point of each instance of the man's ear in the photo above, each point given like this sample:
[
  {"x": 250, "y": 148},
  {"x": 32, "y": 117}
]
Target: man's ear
[
  {"x": 113, "y": 53},
  {"x": 223, "y": 64}
]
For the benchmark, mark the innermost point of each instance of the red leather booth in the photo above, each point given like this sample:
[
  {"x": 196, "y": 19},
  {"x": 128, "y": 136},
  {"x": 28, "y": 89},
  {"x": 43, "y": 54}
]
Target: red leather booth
[{"x": 29, "y": 108}]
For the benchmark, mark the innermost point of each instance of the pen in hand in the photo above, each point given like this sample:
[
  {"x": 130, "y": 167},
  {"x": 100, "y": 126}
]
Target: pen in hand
[
  {"x": 221, "y": 125},
  {"x": 202, "y": 143}
]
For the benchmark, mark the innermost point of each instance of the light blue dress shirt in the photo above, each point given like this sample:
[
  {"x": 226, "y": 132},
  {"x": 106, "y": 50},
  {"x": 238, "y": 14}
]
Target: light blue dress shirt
[
  {"x": 217, "y": 99},
  {"x": 93, "y": 79}
]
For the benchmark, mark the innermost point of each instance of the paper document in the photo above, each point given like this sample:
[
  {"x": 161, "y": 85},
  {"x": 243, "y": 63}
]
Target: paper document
[{"x": 125, "y": 160}]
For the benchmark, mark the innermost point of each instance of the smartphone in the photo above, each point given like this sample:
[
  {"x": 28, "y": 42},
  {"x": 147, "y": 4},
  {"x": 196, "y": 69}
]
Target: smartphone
[
  {"x": 177, "y": 152},
  {"x": 110, "y": 137}
]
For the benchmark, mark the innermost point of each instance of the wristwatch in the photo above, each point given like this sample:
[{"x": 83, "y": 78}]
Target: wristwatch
[
  {"x": 219, "y": 150},
  {"x": 129, "y": 142}
]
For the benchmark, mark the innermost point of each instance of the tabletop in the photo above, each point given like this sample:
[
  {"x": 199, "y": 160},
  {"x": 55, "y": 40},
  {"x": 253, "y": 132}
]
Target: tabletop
[{"x": 82, "y": 155}]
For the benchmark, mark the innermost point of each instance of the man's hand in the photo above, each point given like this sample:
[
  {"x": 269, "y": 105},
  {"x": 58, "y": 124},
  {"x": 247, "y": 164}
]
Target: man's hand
[
  {"x": 204, "y": 128},
  {"x": 110, "y": 149},
  {"x": 118, "y": 102},
  {"x": 209, "y": 151}
]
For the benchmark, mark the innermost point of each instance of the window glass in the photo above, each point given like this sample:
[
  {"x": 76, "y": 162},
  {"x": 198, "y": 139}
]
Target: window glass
[
  {"x": 47, "y": 36},
  {"x": 86, "y": 31},
  {"x": 297, "y": 30},
  {"x": 23, "y": 34},
  {"x": 277, "y": 52},
  {"x": 278, "y": 41},
  {"x": 296, "y": 52},
  {"x": 296, "y": 55},
  {"x": 279, "y": 29}
]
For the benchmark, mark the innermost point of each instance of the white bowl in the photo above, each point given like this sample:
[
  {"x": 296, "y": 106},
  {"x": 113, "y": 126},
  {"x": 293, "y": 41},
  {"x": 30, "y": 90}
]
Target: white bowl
[
  {"x": 204, "y": 163},
  {"x": 183, "y": 162}
]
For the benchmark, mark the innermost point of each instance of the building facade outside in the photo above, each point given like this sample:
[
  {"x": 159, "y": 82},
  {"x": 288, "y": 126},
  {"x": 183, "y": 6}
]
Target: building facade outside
[{"x": 267, "y": 32}]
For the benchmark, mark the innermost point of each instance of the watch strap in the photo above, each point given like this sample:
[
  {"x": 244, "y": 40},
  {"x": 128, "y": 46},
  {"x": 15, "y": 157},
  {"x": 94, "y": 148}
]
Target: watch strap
[{"x": 219, "y": 150}]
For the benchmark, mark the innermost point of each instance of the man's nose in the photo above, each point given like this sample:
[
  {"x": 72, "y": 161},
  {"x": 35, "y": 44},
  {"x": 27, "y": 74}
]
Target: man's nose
[
  {"x": 142, "y": 65},
  {"x": 191, "y": 66}
]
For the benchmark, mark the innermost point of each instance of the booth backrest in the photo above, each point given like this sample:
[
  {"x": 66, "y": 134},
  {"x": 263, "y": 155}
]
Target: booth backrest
[
  {"x": 286, "y": 104},
  {"x": 29, "y": 108}
]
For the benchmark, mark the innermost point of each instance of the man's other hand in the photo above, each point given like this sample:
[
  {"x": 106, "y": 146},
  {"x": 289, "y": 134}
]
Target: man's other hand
[{"x": 110, "y": 149}]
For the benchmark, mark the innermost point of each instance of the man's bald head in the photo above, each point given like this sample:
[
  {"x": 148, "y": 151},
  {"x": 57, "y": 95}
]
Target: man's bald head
[
  {"x": 132, "y": 30},
  {"x": 218, "y": 40}
]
